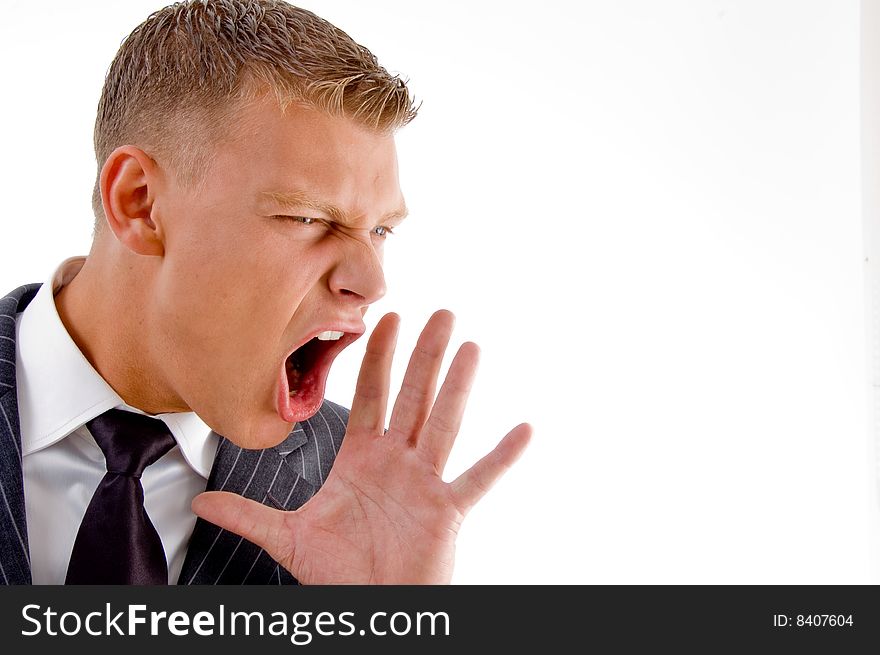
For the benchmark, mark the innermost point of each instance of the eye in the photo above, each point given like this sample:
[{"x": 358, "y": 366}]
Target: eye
[
  {"x": 382, "y": 231},
  {"x": 305, "y": 220}
]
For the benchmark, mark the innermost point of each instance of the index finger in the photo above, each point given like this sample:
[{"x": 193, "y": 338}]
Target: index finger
[{"x": 371, "y": 394}]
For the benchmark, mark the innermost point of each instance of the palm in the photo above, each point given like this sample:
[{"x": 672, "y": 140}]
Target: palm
[
  {"x": 384, "y": 514},
  {"x": 366, "y": 525}
]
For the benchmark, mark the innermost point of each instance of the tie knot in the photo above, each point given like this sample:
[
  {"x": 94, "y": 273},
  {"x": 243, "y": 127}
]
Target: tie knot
[{"x": 130, "y": 442}]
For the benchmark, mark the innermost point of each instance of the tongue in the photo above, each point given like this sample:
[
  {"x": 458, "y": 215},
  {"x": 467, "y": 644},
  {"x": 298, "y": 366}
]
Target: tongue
[
  {"x": 294, "y": 371},
  {"x": 301, "y": 366},
  {"x": 303, "y": 383}
]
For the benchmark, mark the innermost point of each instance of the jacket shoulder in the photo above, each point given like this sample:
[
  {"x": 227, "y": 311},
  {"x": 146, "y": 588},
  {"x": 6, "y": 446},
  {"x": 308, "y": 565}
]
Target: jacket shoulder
[
  {"x": 335, "y": 414},
  {"x": 19, "y": 298}
]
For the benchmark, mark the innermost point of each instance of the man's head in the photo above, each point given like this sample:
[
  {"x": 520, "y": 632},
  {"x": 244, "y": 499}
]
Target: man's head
[
  {"x": 181, "y": 76},
  {"x": 248, "y": 180}
]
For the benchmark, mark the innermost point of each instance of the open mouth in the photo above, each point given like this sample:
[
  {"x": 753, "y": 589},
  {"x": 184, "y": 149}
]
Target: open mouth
[{"x": 303, "y": 375}]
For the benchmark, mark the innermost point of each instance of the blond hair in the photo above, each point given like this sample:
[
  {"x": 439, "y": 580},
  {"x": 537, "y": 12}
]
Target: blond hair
[{"x": 178, "y": 78}]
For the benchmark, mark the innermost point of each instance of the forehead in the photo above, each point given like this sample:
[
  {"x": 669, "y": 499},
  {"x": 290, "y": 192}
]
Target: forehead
[{"x": 272, "y": 151}]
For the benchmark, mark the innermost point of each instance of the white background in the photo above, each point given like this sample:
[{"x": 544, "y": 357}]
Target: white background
[{"x": 647, "y": 214}]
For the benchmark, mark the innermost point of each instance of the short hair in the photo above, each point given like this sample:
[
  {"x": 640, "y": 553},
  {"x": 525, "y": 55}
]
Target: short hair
[{"x": 180, "y": 75}]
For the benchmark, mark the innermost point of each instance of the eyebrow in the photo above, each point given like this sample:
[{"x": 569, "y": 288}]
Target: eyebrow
[{"x": 300, "y": 199}]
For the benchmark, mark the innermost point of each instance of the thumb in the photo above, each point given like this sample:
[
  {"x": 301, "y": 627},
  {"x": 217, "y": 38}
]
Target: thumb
[{"x": 268, "y": 528}]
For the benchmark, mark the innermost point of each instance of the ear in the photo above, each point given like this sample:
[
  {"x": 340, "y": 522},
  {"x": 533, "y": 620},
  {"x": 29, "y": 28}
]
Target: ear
[{"x": 129, "y": 181}]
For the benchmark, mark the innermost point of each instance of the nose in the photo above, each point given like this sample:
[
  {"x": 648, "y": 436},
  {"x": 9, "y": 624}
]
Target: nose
[{"x": 358, "y": 276}]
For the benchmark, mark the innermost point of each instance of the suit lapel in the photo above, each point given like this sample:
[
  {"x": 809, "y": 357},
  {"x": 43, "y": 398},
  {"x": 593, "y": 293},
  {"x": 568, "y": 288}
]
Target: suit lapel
[
  {"x": 217, "y": 556},
  {"x": 15, "y": 565},
  {"x": 284, "y": 477}
]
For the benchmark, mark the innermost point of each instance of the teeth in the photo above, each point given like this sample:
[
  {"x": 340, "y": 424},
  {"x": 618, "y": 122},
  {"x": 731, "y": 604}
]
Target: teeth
[{"x": 330, "y": 335}]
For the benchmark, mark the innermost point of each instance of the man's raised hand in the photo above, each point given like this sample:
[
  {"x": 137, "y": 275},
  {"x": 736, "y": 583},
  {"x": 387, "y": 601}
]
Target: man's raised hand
[{"x": 384, "y": 515}]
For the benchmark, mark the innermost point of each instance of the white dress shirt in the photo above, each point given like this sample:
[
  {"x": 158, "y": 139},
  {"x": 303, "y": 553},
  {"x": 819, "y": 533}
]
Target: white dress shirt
[{"x": 58, "y": 392}]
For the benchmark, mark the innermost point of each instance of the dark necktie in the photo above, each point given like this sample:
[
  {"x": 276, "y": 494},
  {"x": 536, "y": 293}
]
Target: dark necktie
[{"x": 116, "y": 542}]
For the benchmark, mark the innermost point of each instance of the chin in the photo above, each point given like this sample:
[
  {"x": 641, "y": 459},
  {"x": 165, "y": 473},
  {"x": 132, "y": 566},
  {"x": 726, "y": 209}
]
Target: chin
[{"x": 253, "y": 433}]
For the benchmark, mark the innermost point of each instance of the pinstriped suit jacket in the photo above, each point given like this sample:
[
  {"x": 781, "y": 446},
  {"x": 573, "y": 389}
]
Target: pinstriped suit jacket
[{"x": 283, "y": 477}]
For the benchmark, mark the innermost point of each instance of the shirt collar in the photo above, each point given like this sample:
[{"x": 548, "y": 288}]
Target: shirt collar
[{"x": 59, "y": 390}]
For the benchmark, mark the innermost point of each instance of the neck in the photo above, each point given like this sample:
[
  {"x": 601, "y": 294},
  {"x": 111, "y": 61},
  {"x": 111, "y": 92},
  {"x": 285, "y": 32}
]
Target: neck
[{"x": 106, "y": 311}]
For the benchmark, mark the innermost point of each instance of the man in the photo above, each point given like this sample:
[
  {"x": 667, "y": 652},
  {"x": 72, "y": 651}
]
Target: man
[{"x": 247, "y": 181}]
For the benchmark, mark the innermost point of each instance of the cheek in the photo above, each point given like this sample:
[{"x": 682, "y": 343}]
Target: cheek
[
  {"x": 219, "y": 261},
  {"x": 232, "y": 277},
  {"x": 213, "y": 296}
]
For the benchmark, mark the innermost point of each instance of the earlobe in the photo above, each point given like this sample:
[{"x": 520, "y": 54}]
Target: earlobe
[{"x": 128, "y": 184}]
